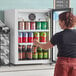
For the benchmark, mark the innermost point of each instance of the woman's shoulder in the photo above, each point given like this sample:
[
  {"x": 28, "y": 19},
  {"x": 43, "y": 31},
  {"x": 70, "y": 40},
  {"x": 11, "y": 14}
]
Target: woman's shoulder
[
  {"x": 74, "y": 30},
  {"x": 64, "y": 31},
  {"x": 59, "y": 33}
]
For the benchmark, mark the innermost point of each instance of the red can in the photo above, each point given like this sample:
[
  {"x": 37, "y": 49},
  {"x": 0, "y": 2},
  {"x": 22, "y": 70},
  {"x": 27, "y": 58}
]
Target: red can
[
  {"x": 25, "y": 37},
  {"x": 37, "y": 36},
  {"x": 20, "y": 37},
  {"x": 21, "y": 25},
  {"x": 27, "y": 25},
  {"x": 43, "y": 37},
  {"x": 30, "y": 37},
  {"x": 32, "y": 25}
]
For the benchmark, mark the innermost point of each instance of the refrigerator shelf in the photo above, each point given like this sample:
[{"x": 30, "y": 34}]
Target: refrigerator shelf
[
  {"x": 25, "y": 43},
  {"x": 30, "y": 43},
  {"x": 33, "y": 30}
]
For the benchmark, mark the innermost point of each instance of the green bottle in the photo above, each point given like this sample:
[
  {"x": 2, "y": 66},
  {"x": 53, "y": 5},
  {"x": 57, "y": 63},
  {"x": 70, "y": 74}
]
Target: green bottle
[
  {"x": 35, "y": 55},
  {"x": 40, "y": 55}
]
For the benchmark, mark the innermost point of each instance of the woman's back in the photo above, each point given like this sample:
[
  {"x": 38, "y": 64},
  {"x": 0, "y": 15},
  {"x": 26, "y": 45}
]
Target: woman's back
[{"x": 66, "y": 43}]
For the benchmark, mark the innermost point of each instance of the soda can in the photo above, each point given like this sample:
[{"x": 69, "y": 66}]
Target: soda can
[
  {"x": 27, "y": 25},
  {"x": 25, "y": 37},
  {"x": 38, "y": 25},
  {"x": 20, "y": 51},
  {"x": 32, "y": 25},
  {"x": 20, "y": 37},
  {"x": 30, "y": 37},
  {"x": 37, "y": 35},
  {"x": 21, "y": 25},
  {"x": 44, "y": 25},
  {"x": 43, "y": 37}
]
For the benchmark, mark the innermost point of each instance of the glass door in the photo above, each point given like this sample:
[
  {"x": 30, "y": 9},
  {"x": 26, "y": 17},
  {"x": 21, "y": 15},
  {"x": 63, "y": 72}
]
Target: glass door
[{"x": 56, "y": 27}]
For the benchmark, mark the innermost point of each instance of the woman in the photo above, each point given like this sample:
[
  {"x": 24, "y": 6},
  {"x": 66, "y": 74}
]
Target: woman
[{"x": 66, "y": 43}]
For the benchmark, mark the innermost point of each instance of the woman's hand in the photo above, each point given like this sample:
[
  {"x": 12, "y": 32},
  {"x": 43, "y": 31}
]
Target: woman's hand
[
  {"x": 36, "y": 43},
  {"x": 43, "y": 46}
]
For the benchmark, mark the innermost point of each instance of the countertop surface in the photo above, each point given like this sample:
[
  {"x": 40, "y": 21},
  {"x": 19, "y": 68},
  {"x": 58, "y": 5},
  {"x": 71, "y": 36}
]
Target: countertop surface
[{"x": 26, "y": 67}]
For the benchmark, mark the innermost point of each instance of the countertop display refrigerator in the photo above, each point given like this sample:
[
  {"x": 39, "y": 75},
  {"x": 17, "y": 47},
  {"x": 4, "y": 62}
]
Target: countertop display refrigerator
[{"x": 27, "y": 25}]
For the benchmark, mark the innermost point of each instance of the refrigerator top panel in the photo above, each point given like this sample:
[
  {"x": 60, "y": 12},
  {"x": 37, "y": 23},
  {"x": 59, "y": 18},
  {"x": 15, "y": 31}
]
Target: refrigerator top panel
[{"x": 38, "y": 15}]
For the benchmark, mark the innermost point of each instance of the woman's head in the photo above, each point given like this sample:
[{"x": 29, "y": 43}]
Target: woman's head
[{"x": 66, "y": 20}]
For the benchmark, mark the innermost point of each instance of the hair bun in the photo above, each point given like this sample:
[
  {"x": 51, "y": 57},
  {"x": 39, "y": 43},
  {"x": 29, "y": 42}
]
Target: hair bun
[{"x": 68, "y": 18}]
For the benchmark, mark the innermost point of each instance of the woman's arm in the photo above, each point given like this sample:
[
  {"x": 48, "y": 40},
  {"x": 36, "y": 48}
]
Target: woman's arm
[
  {"x": 43, "y": 46},
  {"x": 46, "y": 46}
]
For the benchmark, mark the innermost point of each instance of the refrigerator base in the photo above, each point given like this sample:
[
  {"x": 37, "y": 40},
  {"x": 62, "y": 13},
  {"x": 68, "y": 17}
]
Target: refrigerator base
[{"x": 45, "y": 61}]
